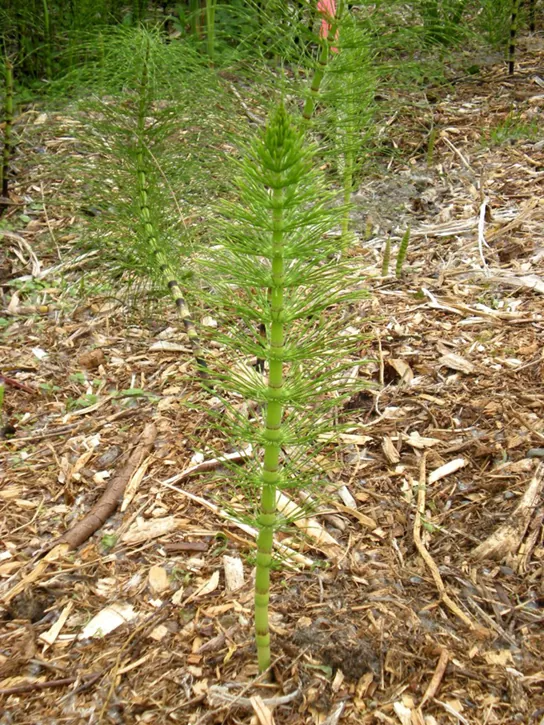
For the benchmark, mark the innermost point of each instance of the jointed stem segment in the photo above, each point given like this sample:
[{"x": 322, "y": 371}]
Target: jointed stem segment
[
  {"x": 513, "y": 33},
  {"x": 8, "y": 124},
  {"x": 272, "y": 435},
  {"x": 151, "y": 235}
]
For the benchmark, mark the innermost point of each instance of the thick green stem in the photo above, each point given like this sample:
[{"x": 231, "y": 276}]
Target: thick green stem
[
  {"x": 311, "y": 100},
  {"x": 348, "y": 157},
  {"x": 273, "y": 434},
  {"x": 194, "y": 11},
  {"x": 348, "y": 185},
  {"x": 48, "y": 39}
]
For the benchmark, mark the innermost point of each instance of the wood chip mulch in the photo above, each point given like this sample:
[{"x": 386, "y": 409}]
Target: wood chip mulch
[{"x": 421, "y": 601}]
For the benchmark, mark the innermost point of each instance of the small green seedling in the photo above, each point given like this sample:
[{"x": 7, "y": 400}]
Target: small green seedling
[
  {"x": 386, "y": 257},
  {"x": 108, "y": 541},
  {"x": 402, "y": 252}
]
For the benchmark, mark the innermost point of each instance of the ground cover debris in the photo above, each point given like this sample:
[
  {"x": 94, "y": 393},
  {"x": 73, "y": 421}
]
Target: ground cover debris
[{"x": 413, "y": 593}]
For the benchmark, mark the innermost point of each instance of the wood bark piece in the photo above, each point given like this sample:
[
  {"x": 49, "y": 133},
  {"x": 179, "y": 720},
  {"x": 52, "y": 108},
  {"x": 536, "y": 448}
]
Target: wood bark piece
[
  {"x": 96, "y": 518},
  {"x": 113, "y": 495},
  {"x": 507, "y": 538},
  {"x": 436, "y": 679}
]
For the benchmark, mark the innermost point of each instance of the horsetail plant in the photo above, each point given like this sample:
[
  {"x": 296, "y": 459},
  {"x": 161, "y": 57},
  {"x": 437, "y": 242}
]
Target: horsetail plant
[
  {"x": 211, "y": 6},
  {"x": 7, "y": 148},
  {"x": 343, "y": 84},
  {"x": 386, "y": 257},
  {"x": 151, "y": 237},
  {"x": 328, "y": 33},
  {"x": 347, "y": 99},
  {"x": 402, "y": 252},
  {"x": 274, "y": 267},
  {"x": 145, "y": 138}
]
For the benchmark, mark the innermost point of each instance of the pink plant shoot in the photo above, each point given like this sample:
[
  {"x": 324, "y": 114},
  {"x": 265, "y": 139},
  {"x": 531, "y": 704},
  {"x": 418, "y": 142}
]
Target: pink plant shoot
[{"x": 327, "y": 9}]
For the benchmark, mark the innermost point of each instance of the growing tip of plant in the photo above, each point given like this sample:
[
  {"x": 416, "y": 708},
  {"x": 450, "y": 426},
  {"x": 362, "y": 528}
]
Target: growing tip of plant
[
  {"x": 386, "y": 257},
  {"x": 402, "y": 252}
]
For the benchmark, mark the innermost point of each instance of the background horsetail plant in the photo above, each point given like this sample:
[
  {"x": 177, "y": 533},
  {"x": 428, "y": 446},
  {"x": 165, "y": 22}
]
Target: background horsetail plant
[
  {"x": 150, "y": 233},
  {"x": 402, "y": 252},
  {"x": 344, "y": 85},
  {"x": 7, "y": 147},
  {"x": 146, "y": 140},
  {"x": 274, "y": 267},
  {"x": 327, "y": 33},
  {"x": 347, "y": 99}
]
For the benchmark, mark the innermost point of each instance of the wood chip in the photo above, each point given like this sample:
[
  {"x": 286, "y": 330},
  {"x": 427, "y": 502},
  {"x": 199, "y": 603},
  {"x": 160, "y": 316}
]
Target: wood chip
[
  {"x": 446, "y": 470},
  {"x": 233, "y": 567},
  {"x": 456, "y": 362}
]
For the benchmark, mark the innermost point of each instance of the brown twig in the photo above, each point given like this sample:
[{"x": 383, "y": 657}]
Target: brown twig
[
  {"x": 427, "y": 558},
  {"x": 96, "y": 518},
  {"x": 30, "y": 686},
  {"x": 436, "y": 679},
  {"x": 10, "y": 382},
  {"x": 112, "y": 496}
]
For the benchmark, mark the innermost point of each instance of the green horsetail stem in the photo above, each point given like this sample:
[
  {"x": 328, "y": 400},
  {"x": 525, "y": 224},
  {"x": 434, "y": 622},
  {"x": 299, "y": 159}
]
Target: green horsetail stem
[
  {"x": 402, "y": 252},
  {"x": 274, "y": 409},
  {"x": 386, "y": 257},
  {"x": 276, "y": 265},
  {"x": 322, "y": 61},
  {"x": 48, "y": 40},
  {"x": 513, "y": 33},
  {"x": 164, "y": 266},
  {"x": 151, "y": 235},
  {"x": 8, "y": 130},
  {"x": 348, "y": 174},
  {"x": 307, "y": 113},
  {"x": 211, "y": 6}
]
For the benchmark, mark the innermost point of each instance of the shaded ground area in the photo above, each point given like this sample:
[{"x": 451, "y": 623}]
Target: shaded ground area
[{"x": 398, "y": 615}]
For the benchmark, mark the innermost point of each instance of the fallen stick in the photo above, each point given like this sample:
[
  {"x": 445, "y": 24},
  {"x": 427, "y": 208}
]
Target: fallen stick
[
  {"x": 10, "y": 382},
  {"x": 30, "y": 686},
  {"x": 429, "y": 561},
  {"x": 97, "y": 516},
  {"x": 113, "y": 495}
]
